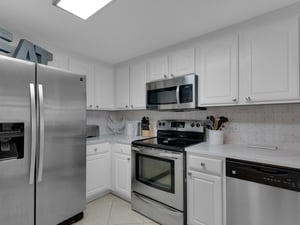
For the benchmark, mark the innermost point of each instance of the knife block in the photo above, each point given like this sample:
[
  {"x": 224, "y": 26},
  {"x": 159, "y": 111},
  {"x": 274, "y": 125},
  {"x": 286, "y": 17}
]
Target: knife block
[{"x": 148, "y": 133}]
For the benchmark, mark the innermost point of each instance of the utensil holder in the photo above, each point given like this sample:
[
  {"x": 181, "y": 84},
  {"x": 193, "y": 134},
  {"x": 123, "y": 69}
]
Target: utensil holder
[{"x": 215, "y": 137}]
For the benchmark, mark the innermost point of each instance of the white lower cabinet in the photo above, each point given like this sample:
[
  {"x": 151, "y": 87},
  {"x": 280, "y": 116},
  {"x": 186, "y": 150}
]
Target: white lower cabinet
[
  {"x": 98, "y": 168},
  {"x": 121, "y": 171},
  {"x": 205, "y": 193}
]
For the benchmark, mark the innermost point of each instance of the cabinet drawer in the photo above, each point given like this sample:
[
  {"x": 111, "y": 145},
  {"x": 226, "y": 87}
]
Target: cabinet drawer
[
  {"x": 97, "y": 149},
  {"x": 124, "y": 149},
  {"x": 206, "y": 165}
]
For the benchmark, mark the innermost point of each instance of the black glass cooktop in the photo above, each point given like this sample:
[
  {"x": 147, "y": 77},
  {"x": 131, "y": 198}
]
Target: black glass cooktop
[{"x": 175, "y": 141}]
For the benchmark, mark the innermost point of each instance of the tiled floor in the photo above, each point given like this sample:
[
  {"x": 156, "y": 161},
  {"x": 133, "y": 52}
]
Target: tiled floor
[{"x": 111, "y": 210}]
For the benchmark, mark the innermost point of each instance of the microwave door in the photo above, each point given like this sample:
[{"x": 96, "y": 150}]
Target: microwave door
[{"x": 162, "y": 98}]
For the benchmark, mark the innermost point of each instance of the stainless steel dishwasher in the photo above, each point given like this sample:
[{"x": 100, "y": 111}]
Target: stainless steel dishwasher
[{"x": 262, "y": 194}]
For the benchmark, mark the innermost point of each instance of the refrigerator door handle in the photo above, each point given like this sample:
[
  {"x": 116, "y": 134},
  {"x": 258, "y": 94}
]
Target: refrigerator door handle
[
  {"x": 41, "y": 132},
  {"x": 33, "y": 132}
]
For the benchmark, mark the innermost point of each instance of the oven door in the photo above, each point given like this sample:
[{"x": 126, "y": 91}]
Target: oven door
[{"x": 158, "y": 174}]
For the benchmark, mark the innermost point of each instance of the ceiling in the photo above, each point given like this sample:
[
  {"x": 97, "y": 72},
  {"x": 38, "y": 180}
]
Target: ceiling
[{"x": 128, "y": 28}]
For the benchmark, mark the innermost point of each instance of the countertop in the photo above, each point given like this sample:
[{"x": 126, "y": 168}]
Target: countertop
[
  {"x": 280, "y": 157},
  {"x": 111, "y": 138}
]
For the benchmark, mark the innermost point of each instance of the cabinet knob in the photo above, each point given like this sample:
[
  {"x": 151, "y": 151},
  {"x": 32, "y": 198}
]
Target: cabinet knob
[
  {"x": 190, "y": 173},
  {"x": 97, "y": 106},
  {"x": 131, "y": 106},
  {"x": 126, "y": 106},
  {"x": 165, "y": 76},
  {"x": 234, "y": 100},
  {"x": 95, "y": 150},
  {"x": 91, "y": 106},
  {"x": 128, "y": 159},
  {"x": 172, "y": 75},
  {"x": 202, "y": 164},
  {"x": 248, "y": 99}
]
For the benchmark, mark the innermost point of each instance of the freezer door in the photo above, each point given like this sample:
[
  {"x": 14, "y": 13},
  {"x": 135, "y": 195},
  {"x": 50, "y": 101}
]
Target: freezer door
[
  {"x": 16, "y": 194},
  {"x": 61, "y": 167}
]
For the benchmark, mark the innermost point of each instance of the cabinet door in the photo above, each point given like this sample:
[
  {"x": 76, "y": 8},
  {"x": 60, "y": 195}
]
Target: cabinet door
[
  {"x": 182, "y": 62},
  {"x": 269, "y": 62},
  {"x": 87, "y": 69},
  {"x": 138, "y": 86},
  {"x": 104, "y": 87},
  {"x": 157, "y": 68},
  {"x": 217, "y": 66},
  {"x": 122, "y": 87},
  {"x": 97, "y": 174},
  {"x": 204, "y": 199},
  {"x": 122, "y": 175}
]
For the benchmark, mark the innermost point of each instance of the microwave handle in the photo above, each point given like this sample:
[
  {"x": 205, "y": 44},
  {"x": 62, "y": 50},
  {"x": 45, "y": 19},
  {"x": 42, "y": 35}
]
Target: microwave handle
[{"x": 177, "y": 94}]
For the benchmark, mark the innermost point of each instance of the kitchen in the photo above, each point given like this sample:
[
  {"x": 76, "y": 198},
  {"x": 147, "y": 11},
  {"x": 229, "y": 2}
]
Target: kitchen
[{"x": 245, "y": 58}]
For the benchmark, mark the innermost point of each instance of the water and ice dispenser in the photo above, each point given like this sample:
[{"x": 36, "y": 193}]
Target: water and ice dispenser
[{"x": 11, "y": 141}]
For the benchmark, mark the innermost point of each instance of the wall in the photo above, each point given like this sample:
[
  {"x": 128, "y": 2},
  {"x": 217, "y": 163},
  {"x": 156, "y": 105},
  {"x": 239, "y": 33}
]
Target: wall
[{"x": 276, "y": 125}]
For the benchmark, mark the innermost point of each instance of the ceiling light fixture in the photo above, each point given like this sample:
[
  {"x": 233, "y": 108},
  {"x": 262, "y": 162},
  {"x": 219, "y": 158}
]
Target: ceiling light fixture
[{"x": 81, "y": 8}]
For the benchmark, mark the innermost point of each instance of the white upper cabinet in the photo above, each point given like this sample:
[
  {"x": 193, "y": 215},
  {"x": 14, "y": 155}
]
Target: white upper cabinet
[
  {"x": 177, "y": 63},
  {"x": 269, "y": 62},
  {"x": 87, "y": 69},
  {"x": 217, "y": 69},
  {"x": 104, "y": 88},
  {"x": 182, "y": 62},
  {"x": 138, "y": 74},
  {"x": 158, "y": 68},
  {"x": 122, "y": 85}
]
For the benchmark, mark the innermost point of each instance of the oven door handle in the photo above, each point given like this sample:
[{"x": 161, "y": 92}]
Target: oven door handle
[
  {"x": 169, "y": 155},
  {"x": 166, "y": 209},
  {"x": 172, "y": 156},
  {"x": 136, "y": 149}
]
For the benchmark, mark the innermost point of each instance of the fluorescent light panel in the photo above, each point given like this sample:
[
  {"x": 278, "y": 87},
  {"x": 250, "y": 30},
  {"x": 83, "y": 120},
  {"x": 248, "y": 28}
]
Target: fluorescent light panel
[{"x": 82, "y": 8}]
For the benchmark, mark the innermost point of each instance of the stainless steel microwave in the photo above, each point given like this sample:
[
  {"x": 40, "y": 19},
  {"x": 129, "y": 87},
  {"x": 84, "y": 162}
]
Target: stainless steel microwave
[{"x": 178, "y": 93}]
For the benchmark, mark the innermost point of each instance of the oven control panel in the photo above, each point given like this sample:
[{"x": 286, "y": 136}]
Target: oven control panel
[{"x": 181, "y": 125}]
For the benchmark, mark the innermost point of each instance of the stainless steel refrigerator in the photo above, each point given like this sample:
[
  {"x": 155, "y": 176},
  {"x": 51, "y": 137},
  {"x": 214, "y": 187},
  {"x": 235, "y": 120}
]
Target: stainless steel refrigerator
[{"x": 42, "y": 144}]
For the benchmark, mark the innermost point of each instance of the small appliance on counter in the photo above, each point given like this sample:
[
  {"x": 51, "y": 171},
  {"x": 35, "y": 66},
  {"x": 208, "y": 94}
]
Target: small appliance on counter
[
  {"x": 92, "y": 131},
  {"x": 159, "y": 170}
]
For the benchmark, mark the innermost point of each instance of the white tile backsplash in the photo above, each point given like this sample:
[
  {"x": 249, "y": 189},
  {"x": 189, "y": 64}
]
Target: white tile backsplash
[
  {"x": 99, "y": 118},
  {"x": 277, "y": 125}
]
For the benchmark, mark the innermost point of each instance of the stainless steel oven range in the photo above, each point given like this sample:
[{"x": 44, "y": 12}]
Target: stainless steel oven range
[{"x": 159, "y": 171}]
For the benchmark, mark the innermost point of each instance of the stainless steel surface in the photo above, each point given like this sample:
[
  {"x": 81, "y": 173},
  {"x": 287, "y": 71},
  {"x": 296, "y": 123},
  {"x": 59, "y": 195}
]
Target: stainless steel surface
[
  {"x": 175, "y": 200},
  {"x": 92, "y": 131},
  {"x": 189, "y": 125},
  {"x": 16, "y": 194},
  {"x": 41, "y": 132},
  {"x": 175, "y": 82},
  {"x": 61, "y": 194},
  {"x": 250, "y": 203},
  {"x": 156, "y": 211},
  {"x": 33, "y": 133}
]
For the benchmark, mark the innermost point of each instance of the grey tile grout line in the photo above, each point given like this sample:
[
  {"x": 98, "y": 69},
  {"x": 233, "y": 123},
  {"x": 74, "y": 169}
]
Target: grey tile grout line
[{"x": 110, "y": 210}]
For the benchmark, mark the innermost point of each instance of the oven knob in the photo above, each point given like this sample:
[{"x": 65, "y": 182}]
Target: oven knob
[
  {"x": 192, "y": 125},
  {"x": 159, "y": 124},
  {"x": 163, "y": 124},
  {"x": 198, "y": 125}
]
